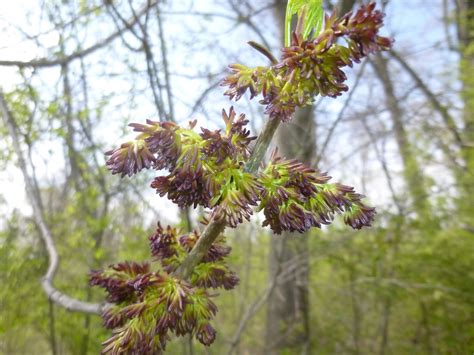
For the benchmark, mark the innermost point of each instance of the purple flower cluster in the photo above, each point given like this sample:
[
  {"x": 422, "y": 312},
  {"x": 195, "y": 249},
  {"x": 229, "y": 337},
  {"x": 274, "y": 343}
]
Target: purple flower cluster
[
  {"x": 296, "y": 198},
  {"x": 311, "y": 67},
  {"x": 155, "y": 147},
  {"x": 166, "y": 306},
  {"x": 169, "y": 248},
  {"x": 122, "y": 281},
  {"x": 173, "y": 306},
  {"x": 205, "y": 169}
]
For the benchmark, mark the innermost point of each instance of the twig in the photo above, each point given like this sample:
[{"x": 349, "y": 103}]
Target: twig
[
  {"x": 203, "y": 95},
  {"x": 63, "y": 60},
  {"x": 340, "y": 115},
  {"x": 164, "y": 56},
  {"x": 443, "y": 111}
]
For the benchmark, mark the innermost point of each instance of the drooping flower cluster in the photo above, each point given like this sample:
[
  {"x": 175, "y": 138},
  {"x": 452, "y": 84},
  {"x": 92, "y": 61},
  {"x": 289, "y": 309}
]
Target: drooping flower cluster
[
  {"x": 149, "y": 306},
  {"x": 296, "y": 198},
  {"x": 311, "y": 67}
]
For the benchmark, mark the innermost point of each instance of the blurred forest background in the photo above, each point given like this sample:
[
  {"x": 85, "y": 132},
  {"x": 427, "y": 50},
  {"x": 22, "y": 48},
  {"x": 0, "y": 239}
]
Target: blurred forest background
[{"x": 76, "y": 72}]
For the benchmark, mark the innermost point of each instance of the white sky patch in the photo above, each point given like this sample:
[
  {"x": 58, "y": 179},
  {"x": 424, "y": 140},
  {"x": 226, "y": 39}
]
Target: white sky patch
[{"x": 13, "y": 192}]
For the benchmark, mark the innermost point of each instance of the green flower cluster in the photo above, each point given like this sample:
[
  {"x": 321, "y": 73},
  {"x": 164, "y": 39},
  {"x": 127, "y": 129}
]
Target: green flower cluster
[
  {"x": 311, "y": 67},
  {"x": 149, "y": 306},
  {"x": 296, "y": 198},
  {"x": 205, "y": 169}
]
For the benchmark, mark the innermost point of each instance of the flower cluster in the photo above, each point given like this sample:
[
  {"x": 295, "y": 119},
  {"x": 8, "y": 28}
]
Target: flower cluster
[
  {"x": 149, "y": 306},
  {"x": 296, "y": 198},
  {"x": 311, "y": 67},
  {"x": 155, "y": 146},
  {"x": 205, "y": 169},
  {"x": 158, "y": 306},
  {"x": 170, "y": 248},
  {"x": 120, "y": 281}
]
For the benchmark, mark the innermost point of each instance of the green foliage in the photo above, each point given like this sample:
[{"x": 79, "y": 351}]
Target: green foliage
[
  {"x": 20, "y": 269},
  {"x": 310, "y": 12}
]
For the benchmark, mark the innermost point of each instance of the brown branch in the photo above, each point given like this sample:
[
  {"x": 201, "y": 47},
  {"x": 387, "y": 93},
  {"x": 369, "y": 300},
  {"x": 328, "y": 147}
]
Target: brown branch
[
  {"x": 247, "y": 19},
  {"x": 164, "y": 57},
  {"x": 69, "y": 303},
  {"x": 340, "y": 116},
  {"x": 202, "y": 97},
  {"x": 66, "y": 59},
  {"x": 144, "y": 39},
  {"x": 383, "y": 162},
  {"x": 216, "y": 227}
]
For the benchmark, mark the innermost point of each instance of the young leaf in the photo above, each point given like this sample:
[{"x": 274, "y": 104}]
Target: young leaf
[{"x": 308, "y": 11}]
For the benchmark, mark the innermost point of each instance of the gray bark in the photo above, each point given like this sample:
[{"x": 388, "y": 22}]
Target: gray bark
[
  {"x": 288, "y": 304},
  {"x": 412, "y": 172}
]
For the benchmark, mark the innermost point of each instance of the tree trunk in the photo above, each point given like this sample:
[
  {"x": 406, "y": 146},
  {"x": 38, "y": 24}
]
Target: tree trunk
[
  {"x": 415, "y": 182},
  {"x": 288, "y": 308},
  {"x": 412, "y": 172},
  {"x": 288, "y": 316}
]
